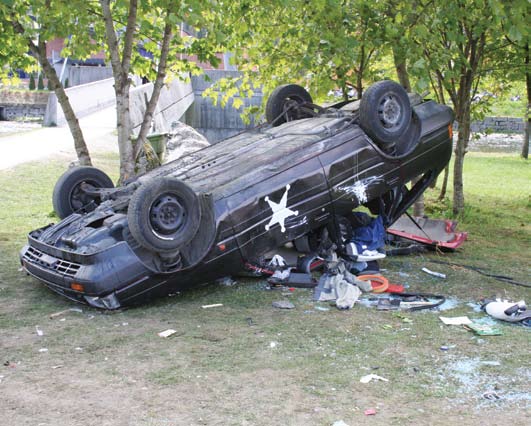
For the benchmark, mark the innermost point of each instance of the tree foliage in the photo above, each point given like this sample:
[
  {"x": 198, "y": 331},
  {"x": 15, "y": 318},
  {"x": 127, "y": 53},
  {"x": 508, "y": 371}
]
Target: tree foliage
[
  {"x": 450, "y": 48},
  {"x": 144, "y": 38},
  {"x": 25, "y": 28}
]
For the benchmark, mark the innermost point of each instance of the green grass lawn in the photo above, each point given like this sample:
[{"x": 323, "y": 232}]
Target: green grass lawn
[{"x": 221, "y": 369}]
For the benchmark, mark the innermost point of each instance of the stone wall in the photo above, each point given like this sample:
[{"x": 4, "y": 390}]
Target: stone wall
[
  {"x": 498, "y": 125},
  {"x": 17, "y": 112},
  {"x": 22, "y": 104}
]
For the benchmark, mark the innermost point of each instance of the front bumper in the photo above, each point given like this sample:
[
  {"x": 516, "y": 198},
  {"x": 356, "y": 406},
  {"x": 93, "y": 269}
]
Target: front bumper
[{"x": 101, "y": 276}]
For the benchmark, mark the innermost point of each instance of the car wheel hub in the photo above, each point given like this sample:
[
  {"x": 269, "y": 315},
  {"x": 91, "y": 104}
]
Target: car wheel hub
[
  {"x": 390, "y": 112},
  {"x": 79, "y": 198},
  {"x": 291, "y": 110},
  {"x": 167, "y": 215}
]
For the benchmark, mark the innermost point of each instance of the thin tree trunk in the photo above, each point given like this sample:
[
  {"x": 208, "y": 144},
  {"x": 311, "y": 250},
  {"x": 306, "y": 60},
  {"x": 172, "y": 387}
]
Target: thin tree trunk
[
  {"x": 359, "y": 85},
  {"x": 403, "y": 78},
  {"x": 444, "y": 185},
  {"x": 123, "y": 127},
  {"x": 39, "y": 52},
  {"x": 401, "y": 69},
  {"x": 157, "y": 87},
  {"x": 463, "y": 123},
  {"x": 525, "y": 144},
  {"x": 120, "y": 70}
]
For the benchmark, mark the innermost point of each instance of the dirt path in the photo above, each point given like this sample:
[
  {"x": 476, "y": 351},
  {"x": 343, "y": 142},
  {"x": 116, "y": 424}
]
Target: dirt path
[{"x": 52, "y": 142}]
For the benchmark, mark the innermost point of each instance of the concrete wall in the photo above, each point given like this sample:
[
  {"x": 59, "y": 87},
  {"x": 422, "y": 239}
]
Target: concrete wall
[
  {"x": 82, "y": 74},
  {"x": 499, "y": 125},
  {"x": 17, "y": 112},
  {"x": 22, "y": 104},
  {"x": 216, "y": 122},
  {"x": 174, "y": 100},
  {"x": 85, "y": 99}
]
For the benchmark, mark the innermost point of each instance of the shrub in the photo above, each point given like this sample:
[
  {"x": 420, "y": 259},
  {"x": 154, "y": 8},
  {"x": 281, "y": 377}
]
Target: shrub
[
  {"x": 32, "y": 82},
  {"x": 40, "y": 83}
]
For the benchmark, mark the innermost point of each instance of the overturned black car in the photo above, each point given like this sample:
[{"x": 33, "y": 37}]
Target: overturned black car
[{"x": 209, "y": 213}]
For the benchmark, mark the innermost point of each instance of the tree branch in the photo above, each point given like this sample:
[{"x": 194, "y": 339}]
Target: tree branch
[
  {"x": 112, "y": 40},
  {"x": 129, "y": 36},
  {"x": 157, "y": 86}
]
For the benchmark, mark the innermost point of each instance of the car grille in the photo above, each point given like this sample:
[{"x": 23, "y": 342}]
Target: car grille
[{"x": 62, "y": 267}]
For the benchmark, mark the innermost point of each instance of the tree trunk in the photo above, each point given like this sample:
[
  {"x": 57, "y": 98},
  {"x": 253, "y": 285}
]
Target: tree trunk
[
  {"x": 39, "y": 52},
  {"x": 444, "y": 185},
  {"x": 401, "y": 69},
  {"x": 463, "y": 123},
  {"x": 157, "y": 87},
  {"x": 403, "y": 78},
  {"x": 123, "y": 126},
  {"x": 120, "y": 71},
  {"x": 359, "y": 85},
  {"x": 73, "y": 123},
  {"x": 525, "y": 144}
]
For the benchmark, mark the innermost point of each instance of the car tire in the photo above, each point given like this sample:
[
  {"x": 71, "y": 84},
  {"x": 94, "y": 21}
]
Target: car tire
[
  {"x": 67, "y": 196},
  {"x": 385, "y": 112},
  {"x": 164, "y": 214},
  {"x": 279, "y": 106}
]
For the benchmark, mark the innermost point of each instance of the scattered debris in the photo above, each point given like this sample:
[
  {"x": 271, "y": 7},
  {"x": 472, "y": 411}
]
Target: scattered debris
[
  {"x": 404, "y": 301},
  {"x": 508, "y": 311},
  {"x": 273, "y": 344},
  {"x": 339, "y": 423},
  {"x": 214, "y": 305},
  {"x": 39, "y": 331},
  {"x": 435, "y": 274},
  {"x": 491, "y": 395},
  {"x": 283, "y": 304},
  {"x": 58, "y": 314},
  {"x": 226, "y": 281},
  {"x": 167, "y": 333},
  {"x": 432, "y": 234},
  {"x": 370, "y": 377},
  {"x": 294, "y": 279},
  {"x": 340, "y": 285},
  {"x": 483, "y": 329},
  {"x": 321, "y": 308},
  {"x": 379, "y": 284},
  {"x": 455, "y": 320},
  {"x": 55, "y": 367},
  {"x": 42, "y": 350},
  {"x": 498, "y": 277},
  {"x": 385, "y": 304},
  {"x": 370, "y": 412}
]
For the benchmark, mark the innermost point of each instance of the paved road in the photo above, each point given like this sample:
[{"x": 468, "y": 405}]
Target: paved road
[{"x": 56, "y": 142}]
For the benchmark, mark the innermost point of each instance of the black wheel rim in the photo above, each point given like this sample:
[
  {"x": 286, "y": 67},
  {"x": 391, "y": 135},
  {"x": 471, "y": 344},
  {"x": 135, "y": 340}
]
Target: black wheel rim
[
  {"x": 167, "y": 216},
  {"x": 80, "y": 200},
  {"x": 390, "y": 112}
]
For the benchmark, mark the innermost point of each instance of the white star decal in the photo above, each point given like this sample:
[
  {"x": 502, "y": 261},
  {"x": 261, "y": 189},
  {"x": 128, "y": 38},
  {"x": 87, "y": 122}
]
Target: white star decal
[{"x": 280, "y": 211}]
